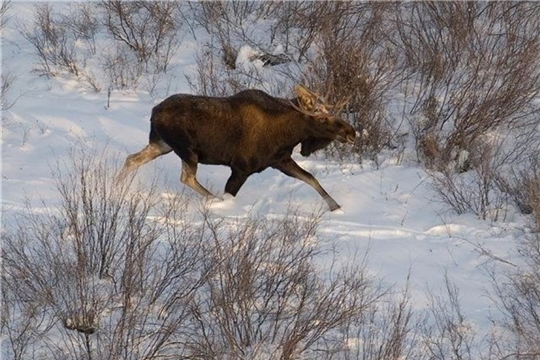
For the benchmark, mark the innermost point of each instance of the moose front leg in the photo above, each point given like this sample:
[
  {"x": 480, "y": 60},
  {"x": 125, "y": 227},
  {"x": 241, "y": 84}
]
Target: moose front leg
[{"x": 291, "y": 168}]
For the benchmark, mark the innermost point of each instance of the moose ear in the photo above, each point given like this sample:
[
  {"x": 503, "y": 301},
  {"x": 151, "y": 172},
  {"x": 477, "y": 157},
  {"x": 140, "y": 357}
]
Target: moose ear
[{"x": 306, "y": 98}]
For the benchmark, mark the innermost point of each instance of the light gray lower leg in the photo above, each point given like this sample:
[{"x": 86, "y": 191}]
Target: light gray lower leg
[
  {"x": 189, "y": 177},
  {"x": 134, "y": 161},
  {"x": 292, "y": 169}
]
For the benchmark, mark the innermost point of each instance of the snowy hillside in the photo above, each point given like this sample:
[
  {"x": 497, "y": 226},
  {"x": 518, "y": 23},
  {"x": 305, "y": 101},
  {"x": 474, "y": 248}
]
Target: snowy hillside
[{"x": 390, "y": 211}]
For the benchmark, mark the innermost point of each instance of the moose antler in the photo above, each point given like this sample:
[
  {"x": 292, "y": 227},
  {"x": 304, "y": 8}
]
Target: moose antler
[
  {"x": 311, "y": 113},
  {"x": 321, "y": 103},
  {"x": 337, "y": 108},
  {"x": 315, "y": 95},
  {"x": 329, "y": 90},
  {"x": 340, "y": 105}
]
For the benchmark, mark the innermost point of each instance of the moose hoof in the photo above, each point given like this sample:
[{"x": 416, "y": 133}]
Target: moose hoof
[{"x": 333, "y": 205}]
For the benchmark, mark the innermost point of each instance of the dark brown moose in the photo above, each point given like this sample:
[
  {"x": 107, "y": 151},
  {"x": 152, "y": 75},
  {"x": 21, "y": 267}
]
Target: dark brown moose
[{"x": 248, "y": 132}]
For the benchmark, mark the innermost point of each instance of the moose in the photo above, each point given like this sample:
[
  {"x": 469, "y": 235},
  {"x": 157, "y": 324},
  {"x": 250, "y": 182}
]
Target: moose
[{"x": 248, "y": 132}]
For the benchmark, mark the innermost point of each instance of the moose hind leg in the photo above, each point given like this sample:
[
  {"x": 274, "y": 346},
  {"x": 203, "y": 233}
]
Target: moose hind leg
[
  {"x": 189, "y": 178},
  {"x": 292, "y": 169},
  {"x": 149, "y": 153}
]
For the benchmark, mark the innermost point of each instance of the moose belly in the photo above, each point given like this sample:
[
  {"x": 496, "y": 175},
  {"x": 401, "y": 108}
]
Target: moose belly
[{"x": 213, "y": 160}]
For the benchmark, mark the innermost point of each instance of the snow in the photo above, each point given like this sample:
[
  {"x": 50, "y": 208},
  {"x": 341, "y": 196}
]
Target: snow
[{"x": 389, "y": 210}]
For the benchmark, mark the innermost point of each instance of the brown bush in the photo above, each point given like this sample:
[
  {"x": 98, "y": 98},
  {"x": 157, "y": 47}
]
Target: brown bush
[{"x": 473, "y": 77}]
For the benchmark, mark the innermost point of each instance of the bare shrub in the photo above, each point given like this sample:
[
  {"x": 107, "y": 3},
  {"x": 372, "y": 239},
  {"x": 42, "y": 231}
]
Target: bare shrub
[
  {"x": 239, "y": 31},
  {"x": 215, "y": 18},
  {"x": 237, "y": 23},
  {"x": 477, "y": 72},
  {"x": 474, "y": 66},
  {"x": 122, "y": 68},
  {"x": 517, "y": 293},
  {"x": 213, "y": 78},
  {"x": 83, "y": 21},
  {"x": 448, "y": 335},
  {"x": 297, "y": 27},
  {"x": 57, "y": 37},
  {"x": 148, "y": 28},
  {"x": 54, "y": 44},
  {"x": 97, "y": 271},
  {"x": 4, "y": 7},
  {"x": 266, "y": 297},
  {"x": 476, "y": 190},
  {"x": 523, "y": 186},
  {"x": 23, "y": 322},
  {"x": 8, "y": 79},
  {"x": 206, "y": 83},
  {"x": 388, "y": 330},
  {"x": 145, "y": 36}
]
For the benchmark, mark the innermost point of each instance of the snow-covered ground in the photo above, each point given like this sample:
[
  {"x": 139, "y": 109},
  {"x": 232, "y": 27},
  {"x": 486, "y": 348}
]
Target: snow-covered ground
[{"x": 388, "y": 210}]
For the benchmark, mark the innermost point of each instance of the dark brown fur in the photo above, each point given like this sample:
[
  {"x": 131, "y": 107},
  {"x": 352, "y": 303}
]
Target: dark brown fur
[{"x": 248, "y": 132}]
